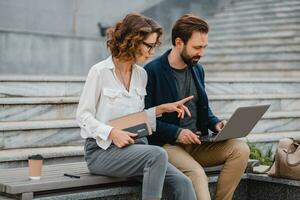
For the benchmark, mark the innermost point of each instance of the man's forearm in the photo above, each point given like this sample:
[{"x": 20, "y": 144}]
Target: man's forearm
[{"x": 168, "y": 132}]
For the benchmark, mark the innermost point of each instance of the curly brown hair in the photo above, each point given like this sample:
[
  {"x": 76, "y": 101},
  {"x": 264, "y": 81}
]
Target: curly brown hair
[{"x": 124, "y": 38}]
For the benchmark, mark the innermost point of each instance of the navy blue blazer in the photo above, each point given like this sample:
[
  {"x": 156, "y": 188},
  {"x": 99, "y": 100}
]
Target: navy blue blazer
[{"x": 161, "y": 89}]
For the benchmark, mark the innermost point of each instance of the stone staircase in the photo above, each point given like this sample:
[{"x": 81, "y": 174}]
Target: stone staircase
[
  {"x": 37, "y": 116},
  {"x": 253, "y": 58},
  {"x": 255, "y": 39}
]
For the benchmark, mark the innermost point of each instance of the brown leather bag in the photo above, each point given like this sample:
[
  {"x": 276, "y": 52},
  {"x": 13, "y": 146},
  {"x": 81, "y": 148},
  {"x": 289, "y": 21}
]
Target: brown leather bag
[{"x": 287, "y": 160}]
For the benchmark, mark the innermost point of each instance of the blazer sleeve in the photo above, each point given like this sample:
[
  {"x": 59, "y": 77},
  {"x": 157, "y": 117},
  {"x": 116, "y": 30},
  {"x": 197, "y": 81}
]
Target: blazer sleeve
[{"x": 167, "y": 132}]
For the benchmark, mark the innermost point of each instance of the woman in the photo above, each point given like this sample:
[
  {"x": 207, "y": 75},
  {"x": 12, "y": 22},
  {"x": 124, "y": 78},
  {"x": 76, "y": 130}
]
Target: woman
[{"x": 116, "y": 87}]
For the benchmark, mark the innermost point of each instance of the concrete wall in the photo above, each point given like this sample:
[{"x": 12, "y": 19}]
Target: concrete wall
[
  {"x": 28, "y": 53},
  {"x": 168, "y": 11},
  {"x": 71, "y": 17},
  {"x": 61, "y": 36}
]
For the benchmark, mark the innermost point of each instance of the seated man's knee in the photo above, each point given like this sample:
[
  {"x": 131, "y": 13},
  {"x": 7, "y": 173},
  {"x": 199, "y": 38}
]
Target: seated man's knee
[
  {"x": 240, "y": 148},
  {"x": 244, "y": 149}
]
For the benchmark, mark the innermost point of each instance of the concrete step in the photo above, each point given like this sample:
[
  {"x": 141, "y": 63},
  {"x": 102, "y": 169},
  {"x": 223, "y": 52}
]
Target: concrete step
[
  {"x": 59, "y": 108},
  {"x": 250, "y": 30},
  {"x": 256, "y": 57},
  {"x": 256, "y": 42},
  {"x": 258, "y": 35},
  {"x": 274, "y": 121},
  {"x": 253, "y": 18},
  {"x": 262, "y": 42},
  {"x": 228, "y": 103},
  {"x": 40, "y": 86},
  {"x": 13, "y": 158},
  {"x": 270, "y": 55},
  {"x": 258, "y": 2},
  {"x": 29, "y": 134},
  {"x": 238, "y": 73},
  {"x": 225, "y": 25},
  {"x": 52, "y": 88},
  {"x": 271, "y": 137},
  {"x": 260, "y": 5},
  {"x": 239, "y": 50},
  {"x": 39, "y": 108},
  {"x": 287, "y": 42},
  {"x": 252, "y": 65},
  {"x": 260, "y": 11},
  {"x": 252, "y": 86}
]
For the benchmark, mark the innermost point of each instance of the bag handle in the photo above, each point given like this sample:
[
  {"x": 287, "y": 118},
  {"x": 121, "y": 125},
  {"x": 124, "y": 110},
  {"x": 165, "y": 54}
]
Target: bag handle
[{"x": 290, "y": 151}]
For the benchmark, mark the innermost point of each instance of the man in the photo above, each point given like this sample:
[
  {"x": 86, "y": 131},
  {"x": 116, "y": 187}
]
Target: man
[{"x": 175, "y": 75}]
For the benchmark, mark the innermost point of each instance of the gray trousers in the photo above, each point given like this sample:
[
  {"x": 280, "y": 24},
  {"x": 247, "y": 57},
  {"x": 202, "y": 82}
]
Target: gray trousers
[{"x": 140, "y": 161}]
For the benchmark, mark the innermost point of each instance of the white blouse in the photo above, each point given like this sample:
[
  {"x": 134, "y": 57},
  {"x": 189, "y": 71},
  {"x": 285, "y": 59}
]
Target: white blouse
[{"x": 105, "y": 98}]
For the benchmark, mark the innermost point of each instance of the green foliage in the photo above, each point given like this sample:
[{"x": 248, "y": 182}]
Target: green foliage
[{"x": 256, "y": 153}]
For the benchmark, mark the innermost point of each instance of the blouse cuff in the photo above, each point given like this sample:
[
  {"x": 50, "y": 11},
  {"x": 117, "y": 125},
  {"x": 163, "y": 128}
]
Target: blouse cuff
[
  {"x": 152, "y": 117},
  {"x": 104, "y": 131},
  {"x": 104, "y": 144}
]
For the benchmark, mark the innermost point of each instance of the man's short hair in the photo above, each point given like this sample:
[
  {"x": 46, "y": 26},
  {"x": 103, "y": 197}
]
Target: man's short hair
[{"x": 186, "y": 25}]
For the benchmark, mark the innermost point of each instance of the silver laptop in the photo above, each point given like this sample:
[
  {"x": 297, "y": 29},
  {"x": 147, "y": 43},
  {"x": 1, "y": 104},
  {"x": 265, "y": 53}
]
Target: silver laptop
[{"x": 239, "y": 125}]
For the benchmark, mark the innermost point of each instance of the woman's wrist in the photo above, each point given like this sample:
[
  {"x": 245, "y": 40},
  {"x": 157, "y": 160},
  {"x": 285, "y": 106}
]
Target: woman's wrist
[
  {"x": 159, "y": 110},
  {"x": 112, "y": 134}
]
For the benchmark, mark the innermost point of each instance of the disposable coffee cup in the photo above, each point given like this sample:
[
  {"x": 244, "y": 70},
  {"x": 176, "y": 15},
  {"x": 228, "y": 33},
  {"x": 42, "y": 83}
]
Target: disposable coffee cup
[{"x": 35, "y": 163}]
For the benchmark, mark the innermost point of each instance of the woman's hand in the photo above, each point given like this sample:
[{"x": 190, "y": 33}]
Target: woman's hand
[
  {"x": 177, "y": 106},
  {"x": 121, "y": 138}
]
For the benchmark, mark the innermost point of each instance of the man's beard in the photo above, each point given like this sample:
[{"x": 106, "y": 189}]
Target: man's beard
[{"x": 187, "y": 59}]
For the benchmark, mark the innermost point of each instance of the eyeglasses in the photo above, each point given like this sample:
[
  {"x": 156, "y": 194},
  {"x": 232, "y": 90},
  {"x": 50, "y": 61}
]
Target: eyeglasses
[{"x": 150, "y": 47}]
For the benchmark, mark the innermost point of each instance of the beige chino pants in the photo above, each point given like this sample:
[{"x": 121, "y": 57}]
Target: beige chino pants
[{"x": 190, "y": 159}]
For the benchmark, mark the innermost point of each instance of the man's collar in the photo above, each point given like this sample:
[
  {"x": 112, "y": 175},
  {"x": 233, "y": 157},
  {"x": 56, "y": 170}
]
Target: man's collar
[{"x": 165, "y": 59}]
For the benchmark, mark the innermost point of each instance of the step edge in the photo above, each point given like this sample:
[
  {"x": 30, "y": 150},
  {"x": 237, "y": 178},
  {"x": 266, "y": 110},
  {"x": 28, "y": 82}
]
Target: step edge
[
  {"x": 38, "y": 125},
  {"x": 38, "y": 100},
  {"x": 274, "y": 136},
  {"x": 79, "y": 151},
  {"x": 41, "y": 78},
  {"x": 55, "y": 152}
]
